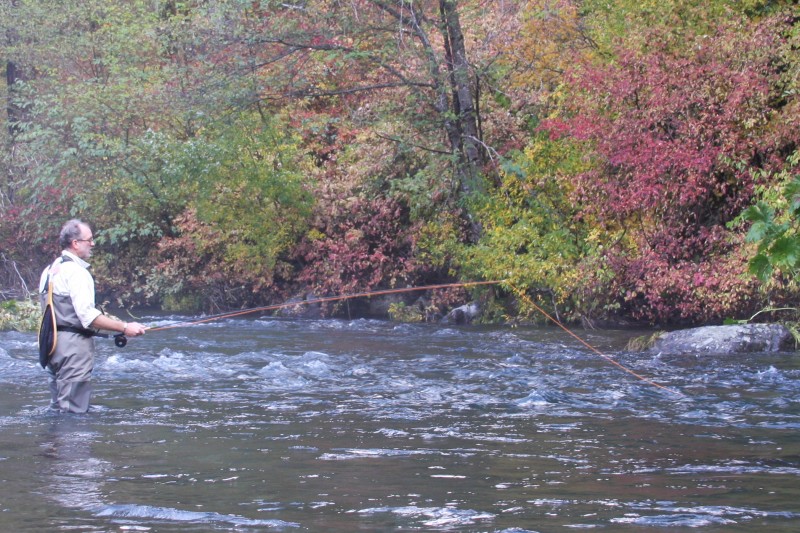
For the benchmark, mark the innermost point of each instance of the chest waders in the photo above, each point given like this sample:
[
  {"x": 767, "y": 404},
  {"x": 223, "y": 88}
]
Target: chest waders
[{"x": 71, "y": 360}]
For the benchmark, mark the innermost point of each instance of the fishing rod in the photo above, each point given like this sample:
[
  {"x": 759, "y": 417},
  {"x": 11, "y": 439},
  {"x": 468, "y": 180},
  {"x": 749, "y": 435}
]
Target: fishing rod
[
  {"x": 121, "y": 341},
  {"x": 328, "y": 299}
]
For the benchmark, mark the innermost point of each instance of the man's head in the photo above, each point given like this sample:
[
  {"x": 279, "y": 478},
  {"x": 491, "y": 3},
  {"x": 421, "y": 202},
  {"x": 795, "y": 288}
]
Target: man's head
[{"x": 76, "y": 237}]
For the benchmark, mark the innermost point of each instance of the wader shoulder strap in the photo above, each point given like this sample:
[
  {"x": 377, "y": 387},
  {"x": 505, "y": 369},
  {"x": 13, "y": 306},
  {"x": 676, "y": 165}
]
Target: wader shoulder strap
[{"x": 49, "y": 283}]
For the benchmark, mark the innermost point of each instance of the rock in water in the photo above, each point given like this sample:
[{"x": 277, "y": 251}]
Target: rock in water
[{"x": 742, "y": 338}]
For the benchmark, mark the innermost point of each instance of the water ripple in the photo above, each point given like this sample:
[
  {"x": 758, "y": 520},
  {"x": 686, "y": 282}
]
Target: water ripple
[{"x": 176, "y": 515}]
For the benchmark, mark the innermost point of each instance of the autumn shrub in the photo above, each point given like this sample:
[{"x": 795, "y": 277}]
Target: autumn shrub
[
  {"x": 189, "y": 272},
  {"x": 249, "y": 205},
  {"x": 677, "y": 133},
  {"x": 356, "y": 244},
  {"x": 532, "y": 235},
  {"x": 20, "y": 315}
]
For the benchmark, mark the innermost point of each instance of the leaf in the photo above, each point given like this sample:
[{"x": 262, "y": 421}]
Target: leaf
[
  {"x": 785, "y": 252},
  {"x": 792, "y": 193},
  {"x": 762, "y": 216},
  {"x": 760, "y": 267},
  {"x": 764, "y": 229},
  {"x": 760, "y": 212}
]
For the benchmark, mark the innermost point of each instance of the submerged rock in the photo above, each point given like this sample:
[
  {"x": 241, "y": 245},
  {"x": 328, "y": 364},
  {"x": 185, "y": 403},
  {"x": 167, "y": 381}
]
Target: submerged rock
[{"x": 741, "y": 338}]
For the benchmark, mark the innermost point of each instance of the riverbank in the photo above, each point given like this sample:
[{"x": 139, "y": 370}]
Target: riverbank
[{"x": 19, "y": 315}]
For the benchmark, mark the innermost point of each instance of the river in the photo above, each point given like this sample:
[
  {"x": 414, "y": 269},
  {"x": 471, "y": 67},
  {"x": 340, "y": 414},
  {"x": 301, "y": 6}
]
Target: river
[{"x": 341, "y": 426}]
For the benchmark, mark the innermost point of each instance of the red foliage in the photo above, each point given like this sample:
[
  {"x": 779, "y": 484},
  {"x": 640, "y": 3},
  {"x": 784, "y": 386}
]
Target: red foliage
[
  {"x": 29, "y": 238},
  {"x": 662, "y": 290},
  {"x": 196, "y": 263},
  {"x": 361, "y": 244},
  {"x": 666, "y": 125},
  {"x": 679, "y": 134}
]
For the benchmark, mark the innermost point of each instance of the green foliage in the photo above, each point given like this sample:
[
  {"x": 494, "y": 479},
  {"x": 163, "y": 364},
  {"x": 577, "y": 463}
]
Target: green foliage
[
  {"x": 632, "y": 20},
  {"x": 531, "y": 236},
  {"x": 253, "y": 191},
  {"x": 250, "y": 204},
  {"x": 438, "y": 246},
  {"x": 400, "y": 312},
  {"x": 775, "y": 224},
  {"x": 95, "y": 87},
  {"x": 19, "y": 315}
]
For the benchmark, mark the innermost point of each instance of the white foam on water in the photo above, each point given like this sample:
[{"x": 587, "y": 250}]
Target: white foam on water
[
  {"x": 177, "y": 515},
  {"x": 351, "y": 454},
  {"x": 434, "y": 516}
]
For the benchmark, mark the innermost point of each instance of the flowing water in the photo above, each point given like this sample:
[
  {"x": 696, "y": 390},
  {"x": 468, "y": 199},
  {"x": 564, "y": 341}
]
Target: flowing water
[{"x": 344, "y": 426}]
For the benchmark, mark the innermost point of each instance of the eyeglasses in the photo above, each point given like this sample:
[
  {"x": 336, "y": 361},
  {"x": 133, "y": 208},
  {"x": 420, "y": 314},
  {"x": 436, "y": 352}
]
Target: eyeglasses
[{"x": 86, "y": 240}]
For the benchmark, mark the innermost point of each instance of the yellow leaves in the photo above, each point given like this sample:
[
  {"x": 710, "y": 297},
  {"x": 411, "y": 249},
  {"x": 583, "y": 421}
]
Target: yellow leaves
[
  {"x": 437, "y": 244},
  {"x": 315, "y": 235},
  {"x": 533, "y": 235},
  {"x": 550, "y": 40}
]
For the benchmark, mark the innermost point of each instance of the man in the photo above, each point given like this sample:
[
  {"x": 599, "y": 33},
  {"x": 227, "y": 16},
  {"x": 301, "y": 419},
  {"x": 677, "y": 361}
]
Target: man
[{"x": 70, "y": 366}]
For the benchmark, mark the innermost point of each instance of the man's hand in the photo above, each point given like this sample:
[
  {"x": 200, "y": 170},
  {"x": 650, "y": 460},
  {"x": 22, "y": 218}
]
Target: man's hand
[{"x": 134, "y": 329}]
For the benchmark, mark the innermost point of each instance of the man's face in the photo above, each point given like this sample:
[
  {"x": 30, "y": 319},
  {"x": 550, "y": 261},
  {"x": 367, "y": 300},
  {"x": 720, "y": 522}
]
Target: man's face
[{"x": 83, "y": 246}]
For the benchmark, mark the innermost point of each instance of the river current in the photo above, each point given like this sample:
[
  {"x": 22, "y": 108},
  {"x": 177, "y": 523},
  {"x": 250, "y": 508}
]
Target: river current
[{"x": 343, "y": 426}]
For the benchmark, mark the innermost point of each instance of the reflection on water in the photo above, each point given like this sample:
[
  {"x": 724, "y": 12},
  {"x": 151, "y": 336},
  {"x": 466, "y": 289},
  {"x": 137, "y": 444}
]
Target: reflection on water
[
  {"x": 71, "y": 475},
  {"x": 276, "y": 425}
]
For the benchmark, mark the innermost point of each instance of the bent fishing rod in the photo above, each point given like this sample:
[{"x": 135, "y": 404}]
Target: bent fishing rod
[
  {"x": 121, "y": 341},
  {"x": 328, "y": 299}
]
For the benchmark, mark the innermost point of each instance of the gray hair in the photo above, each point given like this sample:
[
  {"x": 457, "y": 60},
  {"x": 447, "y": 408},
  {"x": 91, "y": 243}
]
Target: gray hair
[{"x": 70, "y": 232}]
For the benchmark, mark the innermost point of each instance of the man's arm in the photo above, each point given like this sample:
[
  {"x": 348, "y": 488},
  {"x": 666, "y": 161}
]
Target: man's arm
[{"x": 132, "y": 329}]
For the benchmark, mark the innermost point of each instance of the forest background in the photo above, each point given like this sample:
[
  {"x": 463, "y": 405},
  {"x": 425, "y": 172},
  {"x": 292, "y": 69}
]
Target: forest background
[{"x": 623, "y": 159}]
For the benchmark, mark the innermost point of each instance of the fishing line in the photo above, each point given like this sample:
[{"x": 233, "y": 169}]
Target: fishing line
[
  {"x": 344, "y": 297},
  {"x": 592, "y": 348}
]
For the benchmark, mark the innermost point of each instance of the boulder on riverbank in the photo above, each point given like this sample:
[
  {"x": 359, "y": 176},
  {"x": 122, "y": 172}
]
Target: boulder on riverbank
[
  {"x": 464, "y": 314},
  {"x": 741, "y": 338},
  {"x": 304, "y": 305}
]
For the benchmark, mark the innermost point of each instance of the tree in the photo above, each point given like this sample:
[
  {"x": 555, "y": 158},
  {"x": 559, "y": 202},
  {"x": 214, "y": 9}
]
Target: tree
[
  {"x": 375, "y": 58},
  {"x": 15, "y": 173},
  {"x": 248, "y": 205},
  {"x": 533, "y": 235}
]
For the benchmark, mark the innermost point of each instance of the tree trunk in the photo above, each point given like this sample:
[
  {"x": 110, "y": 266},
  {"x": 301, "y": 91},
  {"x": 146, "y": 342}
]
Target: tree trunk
[
  {"x": 15, "y": 115},
  {"x": 14, "y": 112},
  {"x": 463, "y": 102}
]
